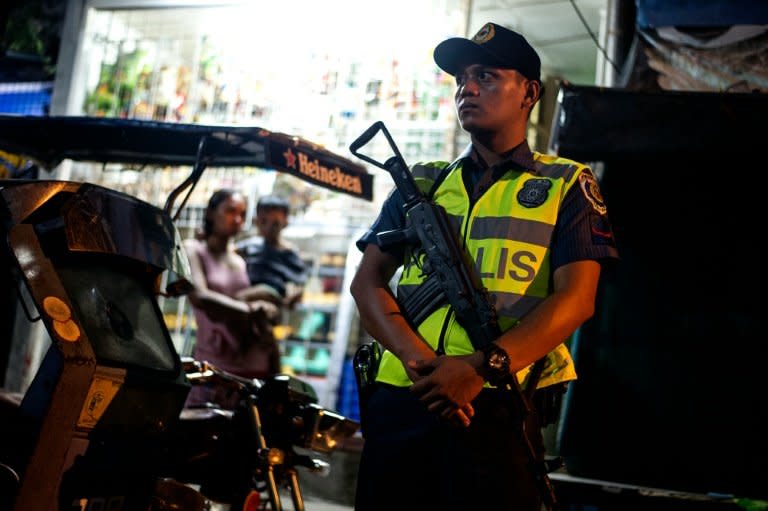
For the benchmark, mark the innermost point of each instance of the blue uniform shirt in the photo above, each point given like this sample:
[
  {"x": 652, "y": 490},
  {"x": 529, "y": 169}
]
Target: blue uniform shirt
[{"x": 581, "y": 232}]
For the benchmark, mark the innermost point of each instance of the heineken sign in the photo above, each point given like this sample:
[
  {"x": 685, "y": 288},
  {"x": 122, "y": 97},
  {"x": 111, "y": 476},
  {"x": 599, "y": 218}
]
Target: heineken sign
[
  {"x": 49, "y": 140},
  {"x": 323, "y": 172}
]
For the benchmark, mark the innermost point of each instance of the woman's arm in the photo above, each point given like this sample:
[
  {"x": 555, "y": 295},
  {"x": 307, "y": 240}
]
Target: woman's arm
[{"x": 260, "y": 292}]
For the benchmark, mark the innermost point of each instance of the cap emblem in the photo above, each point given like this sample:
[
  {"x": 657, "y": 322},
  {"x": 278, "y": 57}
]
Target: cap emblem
[{"x": 485, "y": 34}]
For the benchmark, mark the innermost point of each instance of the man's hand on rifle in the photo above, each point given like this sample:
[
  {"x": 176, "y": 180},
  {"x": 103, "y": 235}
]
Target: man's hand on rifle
[{"x": 447, "y": 385}]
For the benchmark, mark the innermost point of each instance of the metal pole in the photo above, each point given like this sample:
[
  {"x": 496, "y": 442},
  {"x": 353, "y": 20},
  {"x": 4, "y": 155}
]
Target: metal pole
[{"x": 467, "y": 9}]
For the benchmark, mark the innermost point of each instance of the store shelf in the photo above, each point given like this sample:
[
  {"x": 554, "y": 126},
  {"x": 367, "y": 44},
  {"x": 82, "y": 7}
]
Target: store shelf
[
  {"x": 308, "y": 344},
  {"x": 302, "y": 358},
  {"x": 320, "y": 307},
  {"x": 330, "y": 271}
]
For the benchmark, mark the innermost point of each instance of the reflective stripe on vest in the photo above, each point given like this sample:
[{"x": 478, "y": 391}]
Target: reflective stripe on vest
[{"x": 508, "y": 233}]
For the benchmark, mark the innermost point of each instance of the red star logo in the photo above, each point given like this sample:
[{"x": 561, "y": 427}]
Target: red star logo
[{"x": 290, "y": 159}]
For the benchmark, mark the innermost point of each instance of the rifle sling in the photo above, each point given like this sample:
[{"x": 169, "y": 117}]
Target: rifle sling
[{"x": 533, "y": 378}]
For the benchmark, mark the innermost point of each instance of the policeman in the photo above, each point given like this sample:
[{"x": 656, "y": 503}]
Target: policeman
[{"x": 439, "y": 434}]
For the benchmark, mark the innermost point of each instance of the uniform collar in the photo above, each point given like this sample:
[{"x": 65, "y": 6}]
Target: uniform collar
[{"x": 520, "y": 157}]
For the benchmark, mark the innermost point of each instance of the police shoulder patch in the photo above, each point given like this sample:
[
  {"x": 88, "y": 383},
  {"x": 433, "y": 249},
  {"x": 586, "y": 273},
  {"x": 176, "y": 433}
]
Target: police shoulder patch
[
  {"x": 534, "y": 192},
  {"x": 591, "y": 191}
]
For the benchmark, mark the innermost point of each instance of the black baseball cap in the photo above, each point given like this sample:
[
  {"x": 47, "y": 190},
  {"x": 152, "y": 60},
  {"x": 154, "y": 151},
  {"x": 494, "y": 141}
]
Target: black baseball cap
[{"x": 492, "y": 45}]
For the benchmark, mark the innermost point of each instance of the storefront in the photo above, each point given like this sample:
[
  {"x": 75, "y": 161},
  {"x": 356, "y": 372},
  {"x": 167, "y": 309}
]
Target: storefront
[{"x": 323, "y": 71}]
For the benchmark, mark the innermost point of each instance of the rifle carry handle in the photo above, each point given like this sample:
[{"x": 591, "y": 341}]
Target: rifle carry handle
[{"x": 395, "y": 165}]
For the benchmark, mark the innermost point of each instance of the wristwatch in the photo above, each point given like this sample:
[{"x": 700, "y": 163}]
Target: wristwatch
[{"x": 495, "y": 364}]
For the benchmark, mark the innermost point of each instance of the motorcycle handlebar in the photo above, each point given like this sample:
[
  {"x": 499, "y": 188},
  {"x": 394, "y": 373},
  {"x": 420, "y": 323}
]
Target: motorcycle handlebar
[{"x": 200, "y": 371}]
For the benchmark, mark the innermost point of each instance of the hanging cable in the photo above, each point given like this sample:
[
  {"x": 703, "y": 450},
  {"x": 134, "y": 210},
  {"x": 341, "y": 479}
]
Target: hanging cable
[
  {"x": 201, "y": 161},
  {"x": 594, "y": 38}
]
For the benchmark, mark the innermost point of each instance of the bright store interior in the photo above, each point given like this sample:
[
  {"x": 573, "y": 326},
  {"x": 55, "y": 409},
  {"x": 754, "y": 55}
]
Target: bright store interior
[{"x": 323, "y": 71}]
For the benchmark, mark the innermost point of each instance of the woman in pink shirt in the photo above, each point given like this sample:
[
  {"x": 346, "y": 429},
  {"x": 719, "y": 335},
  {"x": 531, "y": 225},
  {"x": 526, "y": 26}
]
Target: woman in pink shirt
[{"x": 232, "y": 333}]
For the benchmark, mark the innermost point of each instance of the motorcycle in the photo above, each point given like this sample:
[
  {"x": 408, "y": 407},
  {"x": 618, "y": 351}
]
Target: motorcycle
[
  {"x": 243, "y": 455},
  {"x": 102, "y": 425}
]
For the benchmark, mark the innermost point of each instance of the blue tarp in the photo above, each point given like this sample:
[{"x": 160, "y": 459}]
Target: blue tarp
[
  {"x": 701, "y": 13},
  {"x": 32, "y": 98}
]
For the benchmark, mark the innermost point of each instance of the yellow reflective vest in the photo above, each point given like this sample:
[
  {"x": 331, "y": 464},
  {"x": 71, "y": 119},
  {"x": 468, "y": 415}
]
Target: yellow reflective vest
[{"x": 507, "y": 231}]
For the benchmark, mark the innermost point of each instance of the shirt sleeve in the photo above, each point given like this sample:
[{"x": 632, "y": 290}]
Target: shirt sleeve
[
  {"x": 391, "y": 217},
  {"x": 583, "y": 230},
  {"x": 296, "y": 267}
]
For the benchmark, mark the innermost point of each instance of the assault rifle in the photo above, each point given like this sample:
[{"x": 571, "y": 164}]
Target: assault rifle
[{"x": 451, "y": 275}]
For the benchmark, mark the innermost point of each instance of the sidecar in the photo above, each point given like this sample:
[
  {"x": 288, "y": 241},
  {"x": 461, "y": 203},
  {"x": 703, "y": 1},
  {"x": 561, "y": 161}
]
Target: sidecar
[{"x": 86, "y": 264}]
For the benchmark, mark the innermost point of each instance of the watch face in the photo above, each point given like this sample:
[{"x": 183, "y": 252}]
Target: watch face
[
  {"x": 496, "y": 364},
  {"x": 496, "y": 360}
]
